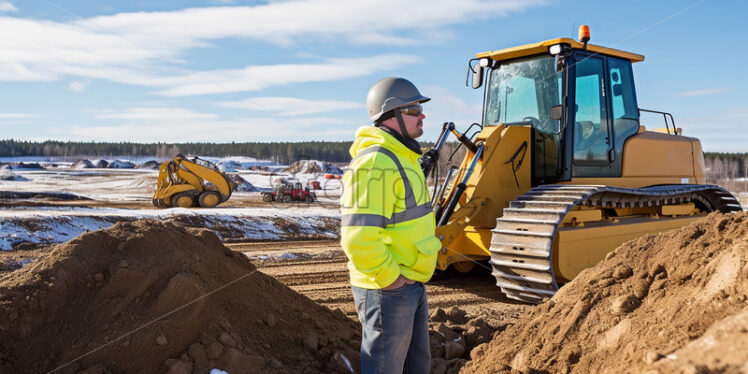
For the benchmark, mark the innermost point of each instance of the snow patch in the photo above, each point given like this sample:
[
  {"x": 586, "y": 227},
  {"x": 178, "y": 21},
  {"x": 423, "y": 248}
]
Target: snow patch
[{"x": 59, "y": 225}]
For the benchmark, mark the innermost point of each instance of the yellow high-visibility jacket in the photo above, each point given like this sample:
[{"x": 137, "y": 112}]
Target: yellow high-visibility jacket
[{"x": 387, "y": 223}]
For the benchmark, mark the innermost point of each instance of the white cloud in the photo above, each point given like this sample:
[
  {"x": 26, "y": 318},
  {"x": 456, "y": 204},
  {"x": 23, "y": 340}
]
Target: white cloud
[
  {"x": 17, "y": 115},
  {"x": 445, "y": 106},
  {"x": 254, "y": 78},
  {"x": 718, "y": 131},
  {"x": 290, "y": 106},
  {"x": 737, "y": 113},
  {"x": 140, "y": 47},
  {"x": 704, "y": 92},
  {"x": 142, "y": 113},
  {"x": 7, "y": 6},
  {"x": 171, "y": 124},
  {"x": 78, "y": 86},
  {"x": 304, "y": 19}
]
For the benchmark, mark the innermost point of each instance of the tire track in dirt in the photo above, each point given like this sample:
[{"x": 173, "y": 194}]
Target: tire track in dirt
[{"x": 319, "y": 272}]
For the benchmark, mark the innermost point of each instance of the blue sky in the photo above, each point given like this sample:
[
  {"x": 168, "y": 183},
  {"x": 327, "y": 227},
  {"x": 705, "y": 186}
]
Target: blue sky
[{"x": 222, "y": 70}]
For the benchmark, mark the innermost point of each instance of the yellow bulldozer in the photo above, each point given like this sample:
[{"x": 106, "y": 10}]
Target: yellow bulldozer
[
  {"x": 561, "y": 171},
  {"x": 191, "y": 182}
]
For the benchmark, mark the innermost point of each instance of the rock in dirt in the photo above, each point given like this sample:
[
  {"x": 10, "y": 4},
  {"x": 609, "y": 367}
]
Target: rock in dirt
[
  {"x": 216, "y": 299},
  {"x": 679, "y": 294},
  {"x": 311, "y": 341},
  {"x": 180, "y": 367},
  {"x": 456, "y": 315},
  {"x": 215, "y": 350},
  {"x": 651, "y": 357},
  {"x": 227, "y": 340},
  {"x": 624, "y": 304},
  {"x": 270, "y": 320},
  {"x": 446, "y": 332},
  {"x": 622, "y": 272},
  {"x": 454, "y": 334},
  {"x": 438, "y": 366},
  {"x": 453, "y": 349}
]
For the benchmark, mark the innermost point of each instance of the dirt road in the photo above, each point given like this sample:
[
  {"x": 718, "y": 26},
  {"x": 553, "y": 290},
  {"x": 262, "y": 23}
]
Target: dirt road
[{"x": 318, "y": 270}]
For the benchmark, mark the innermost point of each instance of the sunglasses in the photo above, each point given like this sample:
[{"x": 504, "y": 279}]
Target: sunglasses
[{"x": 412, "y": 110}]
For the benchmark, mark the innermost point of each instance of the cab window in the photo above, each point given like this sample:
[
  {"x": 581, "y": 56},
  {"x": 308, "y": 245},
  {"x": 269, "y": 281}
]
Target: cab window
[
  {"x": 591, "y": 136},
  {"x": 623, "y": 100}
]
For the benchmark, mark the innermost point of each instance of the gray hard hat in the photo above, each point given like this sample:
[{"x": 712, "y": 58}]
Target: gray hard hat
[{"x": 391, "y": 93}]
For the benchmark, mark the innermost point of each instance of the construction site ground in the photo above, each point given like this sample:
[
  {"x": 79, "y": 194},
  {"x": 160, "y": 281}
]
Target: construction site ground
[
  {"x": 297, "y": 246},
  {"x": 317, "y": 269}
]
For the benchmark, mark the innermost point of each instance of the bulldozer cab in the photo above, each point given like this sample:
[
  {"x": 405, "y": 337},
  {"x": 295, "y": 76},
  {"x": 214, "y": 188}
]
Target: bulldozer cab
[{"x": 579, "y": 100}]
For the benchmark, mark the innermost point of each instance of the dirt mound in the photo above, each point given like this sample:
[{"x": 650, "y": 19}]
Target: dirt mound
[
  {"x": 7, "y": 175},
  {"x": 82, "y": 164},
  {"x": 40, "y": 195},
  {"x": 312, "y": 167},
  {"x": 121, "y": 164},
  {"x": 150, "y": 164},
  {"x": 29, "y": 166},
  {"x": 453, "y": 334},
  {"x": 229, "y": 166},
  {"x": 666, "y": 302},
  {"x": 148, "y": 297},
  {"x": 241, "y": 183}
]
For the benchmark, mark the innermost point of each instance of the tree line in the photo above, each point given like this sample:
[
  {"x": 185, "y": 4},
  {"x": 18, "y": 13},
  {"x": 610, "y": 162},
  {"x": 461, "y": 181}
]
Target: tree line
[
  {"x": 725, "y": 168},
  {"x": 720, "y": 166},
  {"x": 281, "y": 152}
]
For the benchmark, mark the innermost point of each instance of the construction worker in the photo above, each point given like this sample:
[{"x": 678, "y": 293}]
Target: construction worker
[{"x": 387, "y": 231}]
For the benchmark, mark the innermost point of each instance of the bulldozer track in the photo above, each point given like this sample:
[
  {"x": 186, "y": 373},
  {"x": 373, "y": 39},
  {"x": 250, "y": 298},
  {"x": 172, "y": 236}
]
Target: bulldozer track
[{"x": 522, "y": 242}]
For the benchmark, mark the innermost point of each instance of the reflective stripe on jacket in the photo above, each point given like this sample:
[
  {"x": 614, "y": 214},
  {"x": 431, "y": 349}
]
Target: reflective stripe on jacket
[{"x": 387, "y": 223}]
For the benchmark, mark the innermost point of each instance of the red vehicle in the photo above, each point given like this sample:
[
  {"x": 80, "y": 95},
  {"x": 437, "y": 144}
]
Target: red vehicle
[
  {"x": 315, "y": 185},
  {"x": 289, "y": 192}
]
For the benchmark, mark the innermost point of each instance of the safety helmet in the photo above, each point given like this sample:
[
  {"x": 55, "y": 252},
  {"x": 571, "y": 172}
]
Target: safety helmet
[{"x": 391, "y": 93}]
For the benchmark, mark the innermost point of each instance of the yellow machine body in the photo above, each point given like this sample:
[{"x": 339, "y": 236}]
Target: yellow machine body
[
  {"x": 187, "y": 182},
  {"x": 491, "y": 187}
]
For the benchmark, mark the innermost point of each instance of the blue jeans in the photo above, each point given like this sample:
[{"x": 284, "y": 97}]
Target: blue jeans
[{"x": 394, "y": 330}]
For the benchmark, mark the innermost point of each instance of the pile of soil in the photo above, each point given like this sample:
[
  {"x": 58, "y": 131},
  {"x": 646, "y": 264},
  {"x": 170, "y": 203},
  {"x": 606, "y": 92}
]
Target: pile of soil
[
  {"x": 453, "y": 334},
  {"x": 121, "y": 164},
  {"x": 670, "y": 302},
  {"x": 229, "y": 166},
  {"x": 30, "y": 166},
  {"x": 148, "y": 297},
  {"x": 12, "y": 177},
  {"x": 150, "y": 164},
  {"x": 242, "y": 184},
  {"x": 41, "y": 195},
  {"x": 82, "y": 164},
  {"x": 312, "y": 167}
]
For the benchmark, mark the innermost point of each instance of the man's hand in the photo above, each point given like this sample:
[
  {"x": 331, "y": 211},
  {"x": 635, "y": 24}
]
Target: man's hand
[
  {"x": 428, "y": 160},
  {"x": 399, "y": 282}
]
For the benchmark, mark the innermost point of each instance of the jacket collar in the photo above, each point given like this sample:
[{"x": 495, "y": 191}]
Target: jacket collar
[
  {"x": 368, "y": 136},
  {"x": 409, "y": 143}
]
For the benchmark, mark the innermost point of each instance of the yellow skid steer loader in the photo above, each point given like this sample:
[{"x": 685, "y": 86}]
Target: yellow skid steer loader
[{"x": 182, "y": 183}]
